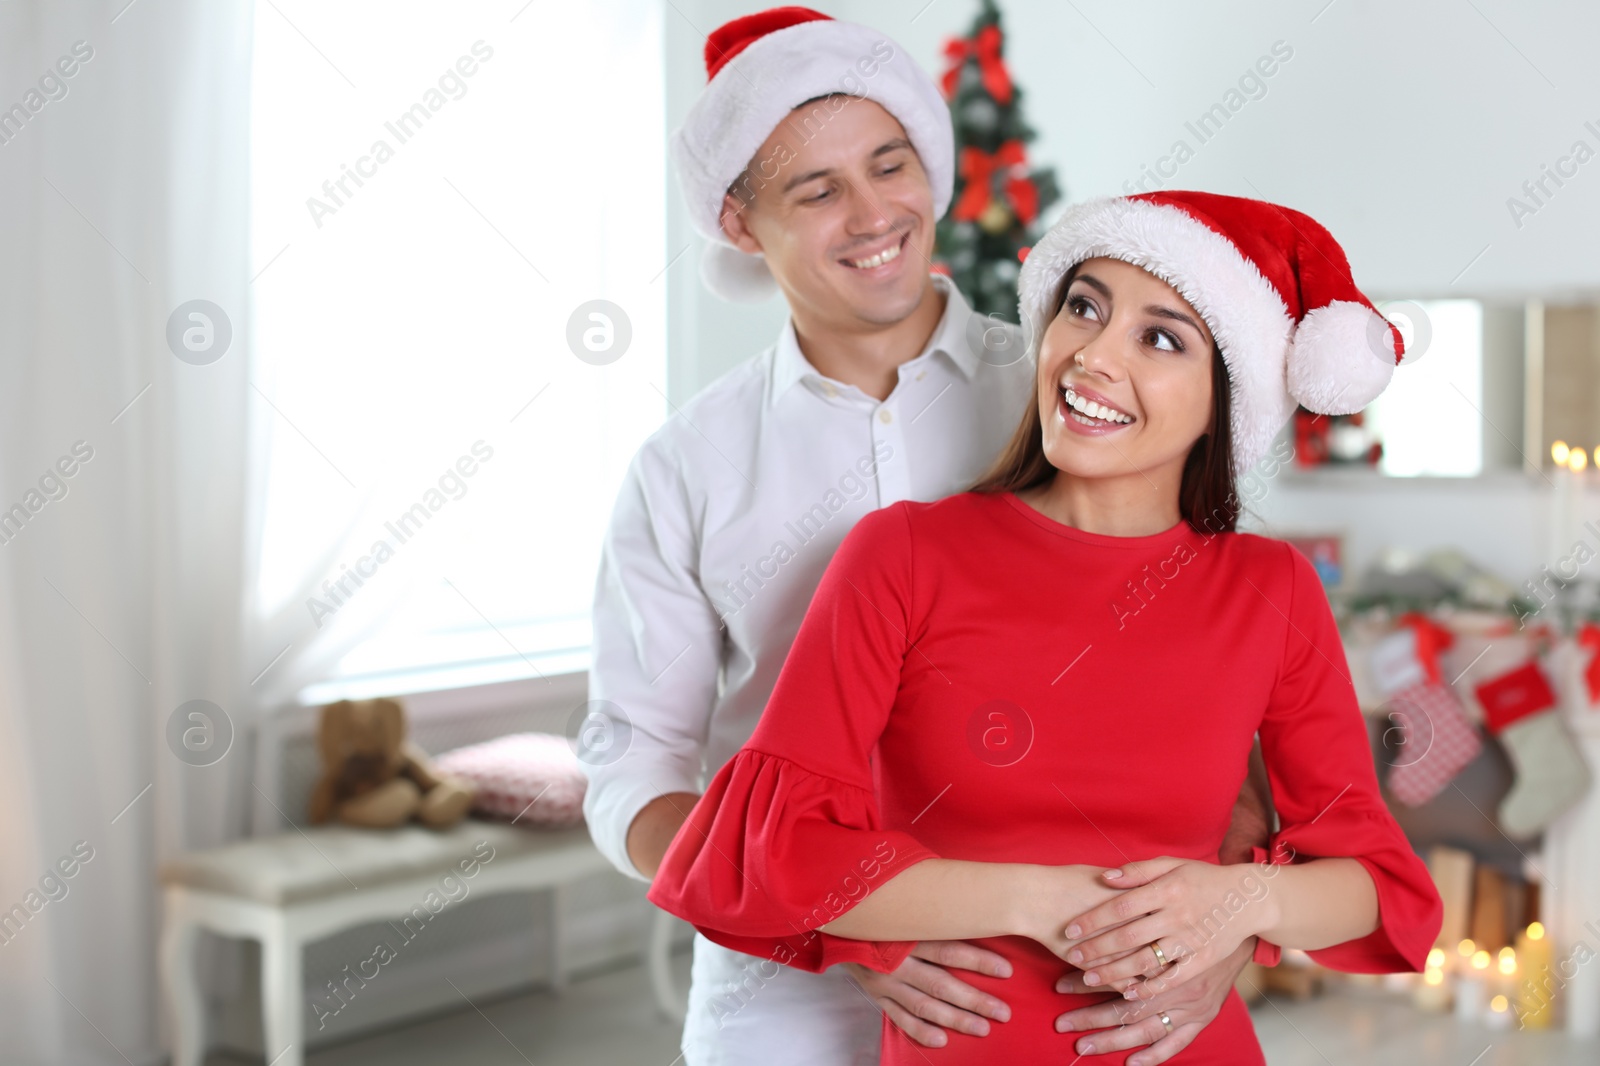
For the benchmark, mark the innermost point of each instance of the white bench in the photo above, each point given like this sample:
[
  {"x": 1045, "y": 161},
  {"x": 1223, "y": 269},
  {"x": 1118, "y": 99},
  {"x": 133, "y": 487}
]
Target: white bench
[{"x": 292, "y": 888}]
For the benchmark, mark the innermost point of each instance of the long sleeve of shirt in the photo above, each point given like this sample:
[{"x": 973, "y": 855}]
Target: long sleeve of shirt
[{"x": 656, "y": 644}]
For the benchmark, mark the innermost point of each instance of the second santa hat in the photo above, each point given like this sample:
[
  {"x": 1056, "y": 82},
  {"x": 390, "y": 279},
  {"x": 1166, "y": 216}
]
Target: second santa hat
[{"x": 1272, "y": 284}]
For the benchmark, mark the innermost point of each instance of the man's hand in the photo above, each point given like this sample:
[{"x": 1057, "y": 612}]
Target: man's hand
[
  {"x": 1251, "y": 822},
  {"x": 654, "y": 827},
  {"x": 1190, "y": 1007},
  {"x": 924, "y": 999}
]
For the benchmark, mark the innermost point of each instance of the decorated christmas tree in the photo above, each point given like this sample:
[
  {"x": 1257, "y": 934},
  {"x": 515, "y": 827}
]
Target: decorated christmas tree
[{"x": 994, "y": 219}]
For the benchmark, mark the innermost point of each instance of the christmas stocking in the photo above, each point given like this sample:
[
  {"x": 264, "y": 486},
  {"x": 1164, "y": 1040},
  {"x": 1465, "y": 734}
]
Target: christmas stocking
[
  {"x": 1520, "y": 709},
  {"x": 1589, "y": 641},
  {"x": 1438, "y": 738}
]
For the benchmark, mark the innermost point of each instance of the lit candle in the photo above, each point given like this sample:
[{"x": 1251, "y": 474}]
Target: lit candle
[
  {"x": 1535, "y": 987},
  {"x": 1564, "y": 498},
  {"x": 1433, "y": 994},
  {"x": 1472, "y": 989},
  {"x": 1499, "y": 1015}
]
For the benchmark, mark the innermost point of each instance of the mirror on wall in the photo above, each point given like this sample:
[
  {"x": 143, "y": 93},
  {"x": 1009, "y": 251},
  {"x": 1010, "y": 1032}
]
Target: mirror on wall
[{"x": 1487, "y": 387}]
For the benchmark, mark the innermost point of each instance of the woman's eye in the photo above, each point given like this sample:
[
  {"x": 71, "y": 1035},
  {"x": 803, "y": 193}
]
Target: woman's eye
[
  {"x": 1164, "y": 341},
  {"x": 1083, "y": 308},
  {"x": 894, "y": 169}
]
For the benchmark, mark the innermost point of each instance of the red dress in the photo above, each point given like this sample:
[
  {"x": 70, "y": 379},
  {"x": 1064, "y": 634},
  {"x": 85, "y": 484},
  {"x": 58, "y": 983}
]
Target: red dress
[{"x": 977, "y": 681}]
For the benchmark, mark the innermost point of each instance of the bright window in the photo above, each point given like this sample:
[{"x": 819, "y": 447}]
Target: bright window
[
  {"x": 1429, "y": 417},
  {"x": 436, "y": 191}
]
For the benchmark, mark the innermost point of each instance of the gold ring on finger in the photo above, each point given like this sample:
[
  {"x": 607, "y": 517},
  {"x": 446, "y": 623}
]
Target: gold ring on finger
[
  {"x": 1161, "y": 956},
  {"x": 1166, "y": 1021}
]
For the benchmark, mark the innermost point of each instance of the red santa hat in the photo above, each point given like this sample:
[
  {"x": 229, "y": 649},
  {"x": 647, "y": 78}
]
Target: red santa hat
[
  {"x": 761, "y": 67},
  {"x": 1272, "y": 284}
]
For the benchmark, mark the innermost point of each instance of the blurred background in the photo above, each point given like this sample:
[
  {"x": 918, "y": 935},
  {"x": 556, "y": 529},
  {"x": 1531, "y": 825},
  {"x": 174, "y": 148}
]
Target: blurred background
[{"x": 280, "y": 281}]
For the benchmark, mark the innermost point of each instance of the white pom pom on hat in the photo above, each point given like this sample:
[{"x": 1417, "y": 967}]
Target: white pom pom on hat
[
  {"x": 762, "y": 66},
  {"x": 1272, "y": 284}
]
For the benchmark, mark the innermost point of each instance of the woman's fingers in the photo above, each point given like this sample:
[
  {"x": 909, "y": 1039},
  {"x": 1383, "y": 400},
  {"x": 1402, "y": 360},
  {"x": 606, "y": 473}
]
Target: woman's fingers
[
  {"x": 1126, "y": 941},
  {"x": 1136, "y": 969},
  {"x": 1072, "y": 982},
  {"x": 1113, "y": 912},
  {"x": 1134, "y": 874}
]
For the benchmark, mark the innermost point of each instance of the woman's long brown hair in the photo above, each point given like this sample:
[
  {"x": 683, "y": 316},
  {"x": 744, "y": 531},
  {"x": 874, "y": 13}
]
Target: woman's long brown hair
[{"x": 1208, "y": 496}]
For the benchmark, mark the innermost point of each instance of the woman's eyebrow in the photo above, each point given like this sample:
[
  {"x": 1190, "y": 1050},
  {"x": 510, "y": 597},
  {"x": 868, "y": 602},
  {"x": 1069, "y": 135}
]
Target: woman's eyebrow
[
  {"x": 1151, "y": 309},
  {"x": 1171, "y": 312}
]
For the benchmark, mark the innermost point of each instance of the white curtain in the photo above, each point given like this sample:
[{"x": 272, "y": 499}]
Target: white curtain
[{"x": 121, "y": 584}]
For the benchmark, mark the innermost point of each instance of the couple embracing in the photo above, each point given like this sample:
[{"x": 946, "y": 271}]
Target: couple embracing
[{"x": 928, "y": 789}]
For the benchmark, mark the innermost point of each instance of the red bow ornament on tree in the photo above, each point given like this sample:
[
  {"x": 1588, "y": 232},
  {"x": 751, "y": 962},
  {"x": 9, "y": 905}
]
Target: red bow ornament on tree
[
  {"x": 986, "y": 50},
  {"x": 977, "y": 173}
]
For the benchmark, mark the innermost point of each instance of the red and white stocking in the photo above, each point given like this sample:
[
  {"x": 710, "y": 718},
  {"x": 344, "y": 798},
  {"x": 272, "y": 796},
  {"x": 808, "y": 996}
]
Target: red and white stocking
[
  {"x": 1439, "y": 739},
  {"x": 1520, "y": 709}
]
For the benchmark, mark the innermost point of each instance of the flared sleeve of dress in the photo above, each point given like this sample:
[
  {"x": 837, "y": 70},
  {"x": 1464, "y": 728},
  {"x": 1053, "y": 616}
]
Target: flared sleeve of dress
[
  {"x": 788, "y": 835},
  {"x": 1325, "y": 787}
]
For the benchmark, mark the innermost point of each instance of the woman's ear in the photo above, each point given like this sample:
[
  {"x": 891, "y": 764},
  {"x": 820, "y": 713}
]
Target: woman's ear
[{"x": 735, "y": 224}]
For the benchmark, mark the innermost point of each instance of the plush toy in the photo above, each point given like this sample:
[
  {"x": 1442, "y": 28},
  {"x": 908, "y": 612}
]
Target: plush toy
[{"x": 373, "y": 777}]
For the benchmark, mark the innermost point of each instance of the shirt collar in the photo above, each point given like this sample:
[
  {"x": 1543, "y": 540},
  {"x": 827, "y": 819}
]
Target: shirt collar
[{"x": 950, "y": 337}]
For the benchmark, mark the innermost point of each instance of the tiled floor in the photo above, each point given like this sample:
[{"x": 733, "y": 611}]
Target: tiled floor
[{"x": 608, "y": 1019}]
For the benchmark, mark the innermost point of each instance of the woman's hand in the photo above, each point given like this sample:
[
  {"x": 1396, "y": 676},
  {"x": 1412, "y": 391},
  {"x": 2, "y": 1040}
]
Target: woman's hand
[
  {"x": 1043, "y": 895},
  {"x": 1195, "y": 913},
  {"x": 1188, "y": 1008},
  {"x": 923, "y": 998}
]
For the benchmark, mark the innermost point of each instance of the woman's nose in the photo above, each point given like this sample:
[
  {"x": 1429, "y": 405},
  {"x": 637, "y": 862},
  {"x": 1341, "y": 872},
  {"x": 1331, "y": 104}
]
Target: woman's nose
[{"x": 1102, "y": 356}]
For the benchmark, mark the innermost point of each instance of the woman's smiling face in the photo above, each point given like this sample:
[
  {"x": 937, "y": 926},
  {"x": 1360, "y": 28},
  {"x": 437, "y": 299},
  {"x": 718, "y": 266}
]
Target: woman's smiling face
[{"x": 1124, "y": 375}]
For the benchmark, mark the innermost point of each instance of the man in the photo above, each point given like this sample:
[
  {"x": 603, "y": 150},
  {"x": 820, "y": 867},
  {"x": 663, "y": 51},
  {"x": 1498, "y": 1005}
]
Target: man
[{"x": 817, "y": 160}]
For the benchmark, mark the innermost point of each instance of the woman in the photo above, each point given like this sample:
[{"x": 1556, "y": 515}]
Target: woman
[{"x": 944, "y": 754}]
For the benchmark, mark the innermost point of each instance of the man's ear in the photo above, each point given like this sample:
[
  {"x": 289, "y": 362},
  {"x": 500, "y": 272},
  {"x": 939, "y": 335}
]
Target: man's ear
[{"x": 735, "y": 224}]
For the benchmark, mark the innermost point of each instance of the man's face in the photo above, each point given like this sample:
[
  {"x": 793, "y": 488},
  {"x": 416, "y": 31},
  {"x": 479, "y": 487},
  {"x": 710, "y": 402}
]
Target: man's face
[{"x": 838, "y": 202}]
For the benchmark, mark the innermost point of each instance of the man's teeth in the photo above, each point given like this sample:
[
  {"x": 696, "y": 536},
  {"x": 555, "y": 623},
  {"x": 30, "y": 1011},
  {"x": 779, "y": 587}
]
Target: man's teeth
[
  {"x": 1092, "y": 409},
  {"x": 878, "y": 260}
]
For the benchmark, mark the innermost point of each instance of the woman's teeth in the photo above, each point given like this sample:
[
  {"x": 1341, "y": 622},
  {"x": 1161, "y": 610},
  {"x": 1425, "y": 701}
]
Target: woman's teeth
[
  {"x": 1094, "y": 411},
  {"x": 881, "y": 258}
]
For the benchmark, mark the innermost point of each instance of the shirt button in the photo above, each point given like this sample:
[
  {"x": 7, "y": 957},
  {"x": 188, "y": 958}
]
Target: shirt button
[
  {"x": 829, "y": 389},
  {"x": 884, "y": 416},
  {"x": 921, "y": 374}
]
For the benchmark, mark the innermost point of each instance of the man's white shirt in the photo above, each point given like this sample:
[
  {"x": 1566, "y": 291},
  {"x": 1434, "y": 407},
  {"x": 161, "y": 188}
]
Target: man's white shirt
[{"x": 725, "y": 521}]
